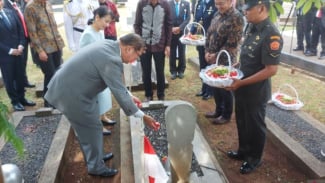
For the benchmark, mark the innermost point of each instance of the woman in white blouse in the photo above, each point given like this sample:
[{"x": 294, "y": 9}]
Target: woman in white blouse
[{"x": 95, "y": 32}]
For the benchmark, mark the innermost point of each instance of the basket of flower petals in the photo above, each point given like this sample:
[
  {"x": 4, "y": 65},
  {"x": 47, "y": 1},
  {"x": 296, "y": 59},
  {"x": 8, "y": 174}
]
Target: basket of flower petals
[
  {"x": 194, "y": 38},
  {"x": 285, "y": 101},
  {"x": 218, "y": 75}
]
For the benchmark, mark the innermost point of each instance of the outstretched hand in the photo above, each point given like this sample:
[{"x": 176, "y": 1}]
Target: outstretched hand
[
  {"x": 150, "y": 122},
  {"x": 137, "y": 101}
]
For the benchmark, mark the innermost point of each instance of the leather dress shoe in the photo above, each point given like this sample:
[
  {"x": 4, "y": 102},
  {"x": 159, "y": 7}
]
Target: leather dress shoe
[
  {"x": 299, "y": 48},
  {"x": 309, "y": 53},
  {"x": 108, "y": 156},
  {"x": 108, "y": 172},
  {"x": 161, "y": 98},
  {"x": 110, "y": 122},
  {"x": 29, "y": 85},
  {"x": 26, "y": 102},
  {"x": 18, "y": 107},
  {"x": 220, "y": 120},
  {"x": 173, "y": 76},
  {"x": 235, "y": 155},
  {"x": 148, "y": 99},
  {"x": 107, "y": 132},
  {"x": 248, "y": 167},
  {"x": 206, "y": 97},
  {"x": 200, "y": 94},
  {"x": 211, "y": 115},
  {"x": 180, "y": 75}
]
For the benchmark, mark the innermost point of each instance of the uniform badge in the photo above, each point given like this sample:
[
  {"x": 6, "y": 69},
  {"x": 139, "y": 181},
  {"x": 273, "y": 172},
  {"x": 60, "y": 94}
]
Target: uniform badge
[
  {"x": 274, "y": 45},
  {"x": 257, "y": 38}
]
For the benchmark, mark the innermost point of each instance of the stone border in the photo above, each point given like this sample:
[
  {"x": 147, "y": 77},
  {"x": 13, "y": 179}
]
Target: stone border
[
  {"x": 205, "y": 157},
  {"x": 52, "y": 164}
]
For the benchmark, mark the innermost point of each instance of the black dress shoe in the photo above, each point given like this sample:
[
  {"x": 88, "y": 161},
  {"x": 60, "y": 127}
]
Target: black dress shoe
[
  {"x": 220, "y": 120},
  {"x": 26, "y": 102},
  {"x": 28, "y": 85},
  {"x": 206, "y": 97},
  {"x": 299, "y": 48},
  {"x": 248, "y": 167},
  {"x": 18, "y": 107},
  {"x": 173, "y": 76},
  {"x": 111, "y": 122},
  {"x": 108, "y": 172},
  {"x": 107, "y": 132},
  {"x": 211, "y": 115},
  {"x": 200, "y": 94},
  {"x": 108, "y": 156},
  {"x": 309, "y": 53},
  {"x": 235, "y": 155}
]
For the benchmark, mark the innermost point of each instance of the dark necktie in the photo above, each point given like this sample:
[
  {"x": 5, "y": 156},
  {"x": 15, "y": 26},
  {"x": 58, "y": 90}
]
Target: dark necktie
[
  {"x": 22, "y": 19},
  {"x": 5, "y": 19},
  {"x": 177, "y": 9}
]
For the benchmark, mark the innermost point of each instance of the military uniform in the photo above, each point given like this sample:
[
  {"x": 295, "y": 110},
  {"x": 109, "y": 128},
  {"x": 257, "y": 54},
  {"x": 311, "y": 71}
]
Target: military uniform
[
  {"x": 262, "y": 46},
  {"x": 204, "y": 12}
]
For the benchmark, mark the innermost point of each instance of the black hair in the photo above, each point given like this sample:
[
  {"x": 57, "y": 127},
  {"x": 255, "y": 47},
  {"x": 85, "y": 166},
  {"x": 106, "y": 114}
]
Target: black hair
[
  {"x": 133, "y": 40},
  {"x": 102, "y": 11}
]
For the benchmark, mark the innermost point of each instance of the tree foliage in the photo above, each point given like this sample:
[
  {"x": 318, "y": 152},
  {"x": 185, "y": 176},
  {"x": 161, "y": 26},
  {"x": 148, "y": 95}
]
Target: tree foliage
[
  {"x": 7, "y": 130},
  {"x": 306, "y": 5}
]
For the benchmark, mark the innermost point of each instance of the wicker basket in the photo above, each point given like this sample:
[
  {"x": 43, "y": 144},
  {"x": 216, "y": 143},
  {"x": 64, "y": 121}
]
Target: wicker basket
[
  {"x": 185, "y": 39},
  {"x": 220, "y": 82},
  {"x": 287, "y": 106}
]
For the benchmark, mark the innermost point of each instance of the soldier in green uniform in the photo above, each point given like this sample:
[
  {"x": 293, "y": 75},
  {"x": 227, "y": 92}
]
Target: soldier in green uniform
[{"x": 260, "y": 55}]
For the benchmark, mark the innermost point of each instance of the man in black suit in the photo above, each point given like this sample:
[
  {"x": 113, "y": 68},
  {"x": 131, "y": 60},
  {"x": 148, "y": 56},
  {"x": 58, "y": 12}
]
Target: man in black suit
[
  {"x": 180, "y": 14},
  {"x": 11, "y": 49},
  {"x": 17, "y": 7}
]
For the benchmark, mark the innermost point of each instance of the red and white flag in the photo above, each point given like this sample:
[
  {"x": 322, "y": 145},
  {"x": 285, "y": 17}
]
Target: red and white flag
[{"x": 152, "y": 165}]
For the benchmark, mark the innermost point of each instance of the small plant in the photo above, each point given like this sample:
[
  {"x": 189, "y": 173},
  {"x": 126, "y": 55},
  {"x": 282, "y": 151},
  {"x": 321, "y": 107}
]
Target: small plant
[{"x": 8, "y": 131}]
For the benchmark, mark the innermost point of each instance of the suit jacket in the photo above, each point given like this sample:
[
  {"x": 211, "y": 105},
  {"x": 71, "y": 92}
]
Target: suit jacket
[
  {"x": 204, "y": 12},
  {"x": 184, "y": 14},
  {"x": 74, "y": 87},
  {"x": 10, "y": 37}
]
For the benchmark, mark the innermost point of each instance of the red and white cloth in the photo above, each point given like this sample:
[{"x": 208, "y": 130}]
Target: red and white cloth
[{"x": 152, "y": 165}]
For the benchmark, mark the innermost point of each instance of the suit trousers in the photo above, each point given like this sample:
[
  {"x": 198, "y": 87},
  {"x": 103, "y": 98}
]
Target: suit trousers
[
  {"x": 24, "y": 61},
  {"x": 50, "y": 66},
  {"x": 89, "y": 134},
  {"x": 224, "y": 102},
  {"x": 12, "y": 72},
  {"x": 300, "y": 31},
  {"x": 308, "y": 20},
  {"x": 251, "y": 127},
  {"x": 206, "y": 89},
  {"x": 318, "y": 31},
  {"x": 159, "y": 60},
  {"x": 177, "y": 49}
]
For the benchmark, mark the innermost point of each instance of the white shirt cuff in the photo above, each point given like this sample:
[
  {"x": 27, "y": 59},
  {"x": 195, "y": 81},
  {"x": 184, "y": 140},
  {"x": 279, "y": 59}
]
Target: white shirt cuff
[{"x": 139, "y": 114}]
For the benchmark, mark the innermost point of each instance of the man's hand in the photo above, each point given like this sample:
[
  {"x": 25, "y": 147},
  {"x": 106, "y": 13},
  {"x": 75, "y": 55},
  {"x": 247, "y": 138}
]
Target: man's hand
[
  {"x": 43, "y": 56},
  {"x": 16, "y": 52},
  {"x": 137, "y": 101},
  {"x": 210, "y": 57},
  {"x": 167, "y": 51},
  {"x": 150, "y": 122},
  {"x": 176, "y": 30},
  {"x": 235, "y": 85}
]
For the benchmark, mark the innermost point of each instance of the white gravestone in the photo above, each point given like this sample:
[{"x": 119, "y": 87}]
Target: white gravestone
[{"x": 181, "y": 119}]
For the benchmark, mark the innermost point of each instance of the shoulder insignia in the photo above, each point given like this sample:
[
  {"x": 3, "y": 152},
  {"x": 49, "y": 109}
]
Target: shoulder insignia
[
  {"x": 275, "y": 37},
  {"x": 274, "y": 45}
]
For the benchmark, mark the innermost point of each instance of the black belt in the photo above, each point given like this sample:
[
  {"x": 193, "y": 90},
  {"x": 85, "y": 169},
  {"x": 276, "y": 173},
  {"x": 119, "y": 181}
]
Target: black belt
[{"x": 77, "y": 29}]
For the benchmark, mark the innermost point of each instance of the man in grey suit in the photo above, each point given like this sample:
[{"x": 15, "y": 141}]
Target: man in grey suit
[{"x": 74, "y": 88}]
